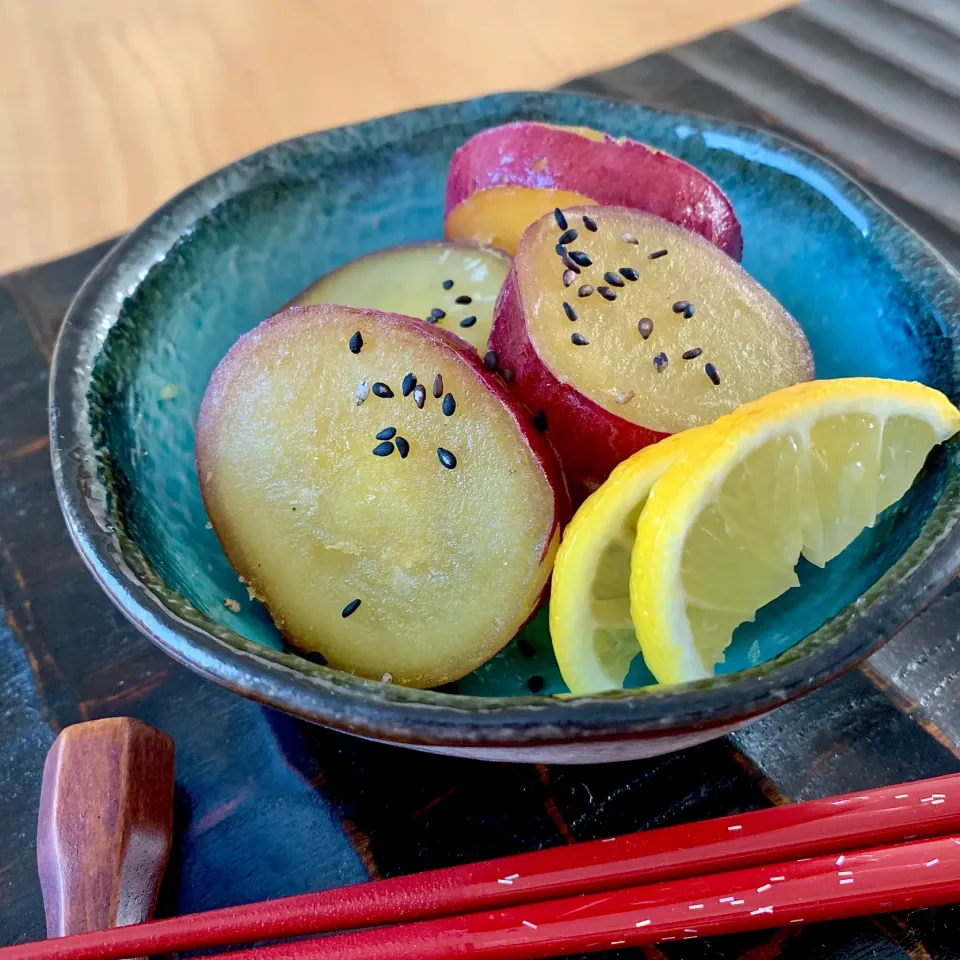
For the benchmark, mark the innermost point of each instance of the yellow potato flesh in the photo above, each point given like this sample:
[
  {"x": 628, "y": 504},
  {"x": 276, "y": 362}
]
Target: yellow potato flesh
[
  {"x": 499, "y": 215},
  {"x": 447, "y": 563},
  {"x": 755, "y": 346},
  {"x": 588, "y": 133},
  {"x": 409, "y": 280}
]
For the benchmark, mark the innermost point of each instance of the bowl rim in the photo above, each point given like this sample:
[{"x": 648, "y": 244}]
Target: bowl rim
[{"x": 430, "y": 718}]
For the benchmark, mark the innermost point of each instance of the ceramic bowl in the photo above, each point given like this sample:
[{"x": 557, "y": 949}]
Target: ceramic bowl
[{"x": 155, "y": 317}]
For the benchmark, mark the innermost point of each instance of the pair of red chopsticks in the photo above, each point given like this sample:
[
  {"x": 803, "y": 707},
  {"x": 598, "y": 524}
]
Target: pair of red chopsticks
[{"x": 881, "y": 850}]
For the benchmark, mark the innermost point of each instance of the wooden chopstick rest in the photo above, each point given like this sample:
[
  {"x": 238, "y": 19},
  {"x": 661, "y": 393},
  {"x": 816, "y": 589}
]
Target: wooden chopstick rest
[{"x": 105, "y": 825}]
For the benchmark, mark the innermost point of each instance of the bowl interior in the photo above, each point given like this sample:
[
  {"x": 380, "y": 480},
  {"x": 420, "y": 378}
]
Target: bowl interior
[{"x": 313, "y": 205}]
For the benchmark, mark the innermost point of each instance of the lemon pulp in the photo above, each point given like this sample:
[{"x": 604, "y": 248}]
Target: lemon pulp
[
  {"x": 594, "y": 639},
  {"x": 800, "y": 472}
]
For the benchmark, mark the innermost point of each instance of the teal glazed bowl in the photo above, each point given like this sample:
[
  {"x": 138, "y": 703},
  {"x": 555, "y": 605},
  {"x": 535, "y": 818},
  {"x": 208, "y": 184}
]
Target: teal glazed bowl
[{"x": 150, "y": 324}]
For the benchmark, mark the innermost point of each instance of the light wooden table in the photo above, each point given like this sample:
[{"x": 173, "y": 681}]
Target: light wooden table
[{"x": 107, "y": 107}]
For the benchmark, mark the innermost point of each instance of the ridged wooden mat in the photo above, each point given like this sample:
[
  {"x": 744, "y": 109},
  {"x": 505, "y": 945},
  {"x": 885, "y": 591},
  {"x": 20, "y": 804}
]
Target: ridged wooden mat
[{"x": 267, "y": 806}]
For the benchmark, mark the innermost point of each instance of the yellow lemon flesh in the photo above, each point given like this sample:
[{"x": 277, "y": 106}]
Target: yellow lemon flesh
[
  {"x": 593, "y": 636},
  {"x": 801, "y": 471}
]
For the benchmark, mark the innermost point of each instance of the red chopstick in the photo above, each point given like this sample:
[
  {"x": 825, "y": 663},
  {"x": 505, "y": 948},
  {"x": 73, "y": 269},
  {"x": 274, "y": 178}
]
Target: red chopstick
[
  {"x": 921, "y": 874},
  {"x": 925, "y": 808}
]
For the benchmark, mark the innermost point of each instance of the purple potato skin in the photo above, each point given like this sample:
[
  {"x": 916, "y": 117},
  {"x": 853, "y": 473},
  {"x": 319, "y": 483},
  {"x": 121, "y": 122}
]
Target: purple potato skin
[{"x": 613, "y": 172}]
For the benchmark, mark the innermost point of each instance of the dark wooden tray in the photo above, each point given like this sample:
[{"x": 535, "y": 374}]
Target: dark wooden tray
[{"x": 267, "y": 806}]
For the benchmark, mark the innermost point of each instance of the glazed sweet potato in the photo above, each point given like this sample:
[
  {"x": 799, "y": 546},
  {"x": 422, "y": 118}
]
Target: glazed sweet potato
[
  {"x": 622, "y": 328},
  {"x": 448, "y": 285},
  {"x": 504, "y": 178},
  {"x": 379, "y": 490}
]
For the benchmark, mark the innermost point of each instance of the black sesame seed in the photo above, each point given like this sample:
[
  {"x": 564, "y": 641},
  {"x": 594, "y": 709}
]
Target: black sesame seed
[
  {"x": 569, "y": 311},
  {"x": 448, "y": 405},
  {"x": 438, "y": 386},
  {"x": 580, "y": 258},
  {"x": 356, "y": 343},
  {"x": 645, "y": 326},
  {"x": 317, "y": 658},
  {"x": 387, "y": 433},
  {"x": 540, "y": 421},
  {"x": 590, "y": 223},
  {"x": 526, "y": 648},
  {"x": 560, "y": 250},
  {"x": 680, "y": 306},
  {"x": 579, "y": 340},
  {"x": 613, "y": 279},
  {"x": 568, "y": 236},
  {"x": 535, "y": 683},
  {"x": 438, "y": 313},
  {"x": 660, "y": 362},
  {"x": 570, "y": 265},
  {"x": 629, "y": 273},
  {"x": 688, "y": 311},
  {"x": 446, "y": 458},
  {"x": 447, "y": 284},
  {"x": 560, "y": 218},
  {"x": 711, "y": 371},
  {"x": 464, "y": 299},
  {"x": 419, "y": 395},
  {"x": 568, "y": 277},
  {"x": 351, "y": 607},
  {"x": 383, "y": 449},
  {"x": 607, "y": 293},
  {"x": 409, "y": 382},
  {"x": 468, "y": 321},
  {"x": 491, "y": 360},
  {"x": 585, "y": 290},
  {"x": 382, "y": 390},
  {"x": 403, "y": 448},
  {"x": 692, "y": 354},
  {"x": 656, "y": 255},
  {"x": 507, "y": 375},
  {"x": 432, "y": 319}
]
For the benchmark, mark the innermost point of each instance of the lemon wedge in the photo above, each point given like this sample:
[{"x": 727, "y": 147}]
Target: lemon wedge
[
  {"x": 801, "y": 471},
  {"x": 594, "y": 639}
]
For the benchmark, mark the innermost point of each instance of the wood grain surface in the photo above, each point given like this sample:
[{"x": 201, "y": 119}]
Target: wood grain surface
[
  {"x": 267, "y": 806},
  {"x": 108, "y": 107},
  {"x": 105, "y": 825}
]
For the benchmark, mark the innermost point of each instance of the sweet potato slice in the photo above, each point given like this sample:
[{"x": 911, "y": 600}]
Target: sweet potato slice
[
  {"x": 657, "y": 332},
  {"x": 379, "y": 490},
  {"x": 504, "y": 178},
  {"x": 449, "y": 285}
]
